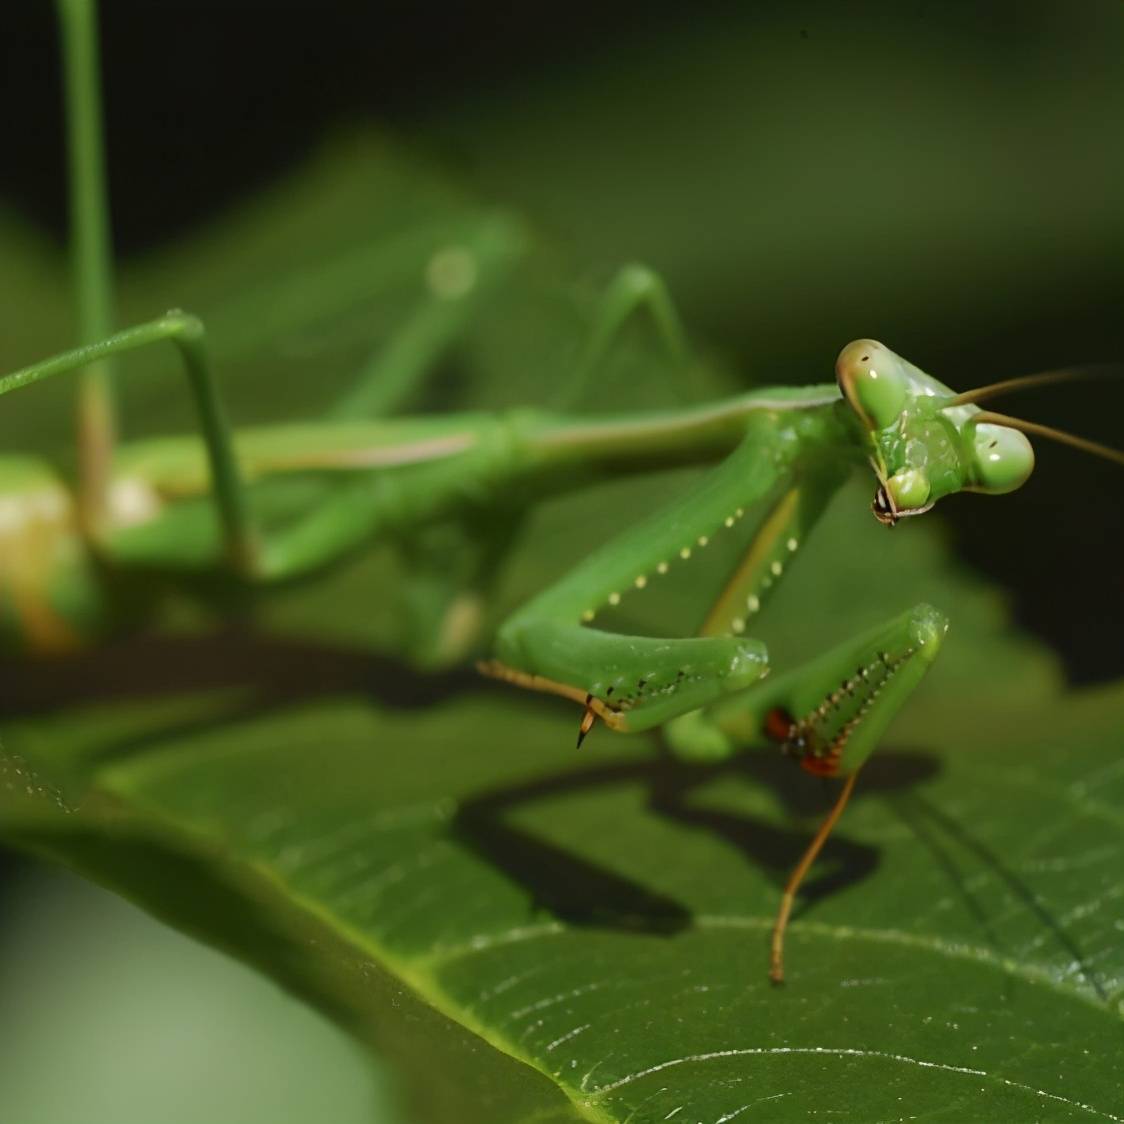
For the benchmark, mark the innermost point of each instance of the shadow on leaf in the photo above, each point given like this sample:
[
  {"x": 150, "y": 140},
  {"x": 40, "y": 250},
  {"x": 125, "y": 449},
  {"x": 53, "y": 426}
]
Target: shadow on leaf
[
  {"x": 271, "y": 668},
  {"x": 581, "y": 892}
]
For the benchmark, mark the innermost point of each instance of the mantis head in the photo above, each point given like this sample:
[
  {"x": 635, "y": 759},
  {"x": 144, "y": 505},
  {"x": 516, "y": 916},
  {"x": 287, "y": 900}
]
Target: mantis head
[{"x": 925, "y": 442}]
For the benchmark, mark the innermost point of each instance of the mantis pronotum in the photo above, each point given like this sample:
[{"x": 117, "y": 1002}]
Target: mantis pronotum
[{"x": 140, "y": 508}]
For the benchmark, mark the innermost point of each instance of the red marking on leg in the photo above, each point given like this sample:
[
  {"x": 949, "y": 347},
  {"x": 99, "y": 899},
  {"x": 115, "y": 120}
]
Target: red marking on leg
[
  {"x": 821, "y": 766},
  {"x": 778, "y": 724}
]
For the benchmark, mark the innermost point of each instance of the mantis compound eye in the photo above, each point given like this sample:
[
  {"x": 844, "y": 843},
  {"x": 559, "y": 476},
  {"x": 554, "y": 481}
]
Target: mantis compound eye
[
  {"x": 1001, "y": 457},
  {"x": 871, "y": 379}
]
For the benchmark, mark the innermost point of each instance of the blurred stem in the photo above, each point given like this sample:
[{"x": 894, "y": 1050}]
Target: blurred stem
[{"x": 91, "y": 251}]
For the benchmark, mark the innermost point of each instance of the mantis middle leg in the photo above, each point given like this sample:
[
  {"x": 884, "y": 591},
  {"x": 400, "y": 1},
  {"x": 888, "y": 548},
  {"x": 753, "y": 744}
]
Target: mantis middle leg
[
  {"x": 187, "y": 334},
  {"x": 453, "y": 281},
  {"x": 453, "y": 566}
]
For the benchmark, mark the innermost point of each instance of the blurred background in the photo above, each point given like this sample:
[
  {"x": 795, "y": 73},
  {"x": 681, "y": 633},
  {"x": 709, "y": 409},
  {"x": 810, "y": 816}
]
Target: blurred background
[{"x": 946, "y": 177}]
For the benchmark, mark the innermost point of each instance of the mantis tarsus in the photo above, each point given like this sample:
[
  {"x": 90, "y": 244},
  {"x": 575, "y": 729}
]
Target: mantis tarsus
[{"x": 142, "y": 508}]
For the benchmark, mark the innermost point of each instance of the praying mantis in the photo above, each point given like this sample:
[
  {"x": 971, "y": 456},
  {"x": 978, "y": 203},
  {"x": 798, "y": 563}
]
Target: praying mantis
[{"x": 217, "y": 506}]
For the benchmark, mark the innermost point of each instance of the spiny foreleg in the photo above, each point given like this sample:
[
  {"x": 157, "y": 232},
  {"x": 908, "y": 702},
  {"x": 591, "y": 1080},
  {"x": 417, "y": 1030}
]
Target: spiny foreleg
[{"x": 829, "y": 715}]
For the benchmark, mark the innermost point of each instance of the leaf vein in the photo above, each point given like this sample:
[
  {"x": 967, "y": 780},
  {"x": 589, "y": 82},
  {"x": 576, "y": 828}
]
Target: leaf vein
[{"x": 852, "y": 1052}]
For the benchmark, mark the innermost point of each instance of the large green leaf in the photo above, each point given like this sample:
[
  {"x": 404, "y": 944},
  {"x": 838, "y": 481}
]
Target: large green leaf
[
  {"x": 455, "y": 883},
  {"x": 530, "y": 934}
]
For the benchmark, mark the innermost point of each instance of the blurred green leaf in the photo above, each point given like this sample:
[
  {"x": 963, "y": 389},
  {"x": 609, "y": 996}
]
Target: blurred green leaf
[{"x": 112, "y": 1018}]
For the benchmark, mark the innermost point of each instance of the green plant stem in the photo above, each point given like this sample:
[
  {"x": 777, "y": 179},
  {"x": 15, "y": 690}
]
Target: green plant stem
[{"x": 92, "y": 251}]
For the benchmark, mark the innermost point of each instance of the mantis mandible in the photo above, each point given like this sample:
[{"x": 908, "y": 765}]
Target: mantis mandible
[{"x": 184, "y": 507}]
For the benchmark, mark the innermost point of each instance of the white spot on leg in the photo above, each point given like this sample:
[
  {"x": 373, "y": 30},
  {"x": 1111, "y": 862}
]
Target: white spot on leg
[
  {"x": 661, "y": 568},
  {"x": 588, "y": 615},
  {"x": 737, "y": 625},
  {"x": 685, "y": 553},
  {"x": 641, "y": 581},
  {"x": 776, "y": 567},
  {"x": 729, "y": 520},
  {"x": 753, "y": 603},
  {"x": 703, "y": 540},
  {"x": 614, "y": 598},
  {"x": 792, "y": 544}
]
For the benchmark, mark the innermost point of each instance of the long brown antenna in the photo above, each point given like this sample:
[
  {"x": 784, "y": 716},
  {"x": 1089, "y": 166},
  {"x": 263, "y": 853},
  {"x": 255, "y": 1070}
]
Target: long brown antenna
[
  {"x": 1036, "y": 430},
  {"x": 1043, "y": 378}
]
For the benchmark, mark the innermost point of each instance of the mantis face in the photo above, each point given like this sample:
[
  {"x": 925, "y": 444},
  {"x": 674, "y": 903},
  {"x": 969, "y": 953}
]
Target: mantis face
[{"x": 921, "y": 445}]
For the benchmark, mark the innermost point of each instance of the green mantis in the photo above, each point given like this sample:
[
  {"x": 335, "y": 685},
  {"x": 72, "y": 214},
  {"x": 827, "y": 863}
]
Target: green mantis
[
  {"x": 922, "y": 441},
  {"x": 219, "y": 508}
]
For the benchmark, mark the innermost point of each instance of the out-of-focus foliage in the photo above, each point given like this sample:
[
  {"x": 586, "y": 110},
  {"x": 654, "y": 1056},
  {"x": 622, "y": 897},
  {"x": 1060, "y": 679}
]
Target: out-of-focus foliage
[{"x": 109, "y": 1016}]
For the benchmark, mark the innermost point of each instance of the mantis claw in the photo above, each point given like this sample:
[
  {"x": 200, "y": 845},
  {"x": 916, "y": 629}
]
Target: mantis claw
[{"x": 588, "y": 718}]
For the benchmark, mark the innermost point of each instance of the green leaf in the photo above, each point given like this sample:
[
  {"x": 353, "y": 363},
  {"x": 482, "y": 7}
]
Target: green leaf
[
  {"x": 464, "y": 891},
  {"x": 531, "y": 934}
]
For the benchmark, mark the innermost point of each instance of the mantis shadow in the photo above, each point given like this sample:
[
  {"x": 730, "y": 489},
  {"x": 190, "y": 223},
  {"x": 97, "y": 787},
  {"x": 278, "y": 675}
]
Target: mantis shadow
[
  {"x": 255, "y": 672},
  {"x": 581, "y": 892},
  {"x": 272, "y": 669},
  {"x": 265, "y": 673}
]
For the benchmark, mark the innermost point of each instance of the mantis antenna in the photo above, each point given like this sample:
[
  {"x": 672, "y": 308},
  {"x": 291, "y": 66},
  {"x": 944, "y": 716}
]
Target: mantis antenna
[
  {"x": 1034, "y": 429},
  {"x": 1026, "y": 382},
  {"x": 1042, "y": 378}
]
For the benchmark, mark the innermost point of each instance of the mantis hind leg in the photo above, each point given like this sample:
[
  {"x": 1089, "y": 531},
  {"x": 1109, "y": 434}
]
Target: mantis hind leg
[
  {"x": 635, "y": 289},
  {"x": 442, "y": 609},
  {"x": 452, "y": 282},
  {"x": 452, "y": 565}
]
